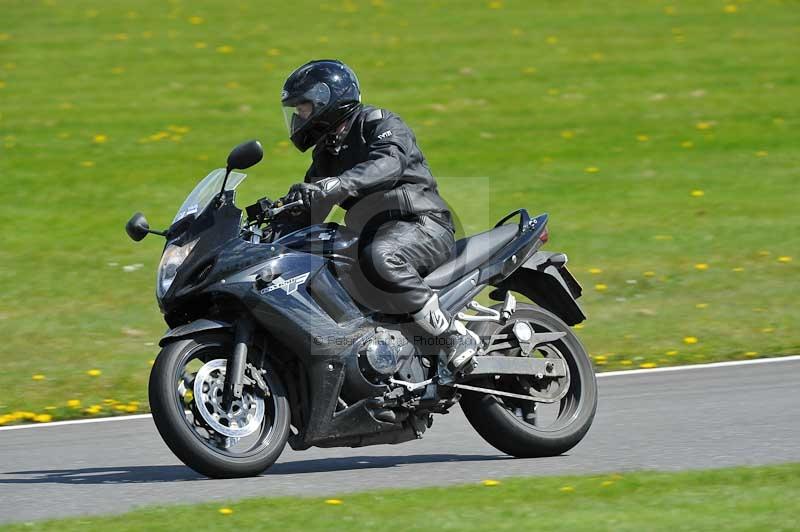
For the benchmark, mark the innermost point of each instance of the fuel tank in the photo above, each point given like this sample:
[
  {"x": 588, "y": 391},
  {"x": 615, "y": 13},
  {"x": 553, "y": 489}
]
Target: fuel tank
[{"x": 323, "y": 239}]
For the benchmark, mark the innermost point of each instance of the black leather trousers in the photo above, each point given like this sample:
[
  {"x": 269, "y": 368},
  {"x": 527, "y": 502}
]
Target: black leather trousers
[{"x": 397, "y": 255}]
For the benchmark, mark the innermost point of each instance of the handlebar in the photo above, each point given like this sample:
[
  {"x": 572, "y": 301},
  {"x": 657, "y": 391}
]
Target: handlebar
[{"x": 277, "y": 210}]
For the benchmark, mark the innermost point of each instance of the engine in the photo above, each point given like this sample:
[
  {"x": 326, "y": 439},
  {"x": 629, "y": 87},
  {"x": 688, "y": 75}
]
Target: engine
[{"x": 387, "y": 354}]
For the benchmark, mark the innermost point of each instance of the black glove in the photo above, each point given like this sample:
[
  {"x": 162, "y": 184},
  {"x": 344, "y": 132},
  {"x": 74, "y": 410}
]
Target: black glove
[
  {"x": 305, "y": 192},
  {"x": 318, "y": 198}
]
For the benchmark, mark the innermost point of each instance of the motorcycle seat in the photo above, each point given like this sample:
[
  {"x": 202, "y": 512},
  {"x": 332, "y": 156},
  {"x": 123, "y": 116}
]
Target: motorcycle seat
[{"x": 469, "y": 253}]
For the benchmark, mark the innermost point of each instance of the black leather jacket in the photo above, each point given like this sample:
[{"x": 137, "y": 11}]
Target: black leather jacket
[{"x": 382, "y": 171}]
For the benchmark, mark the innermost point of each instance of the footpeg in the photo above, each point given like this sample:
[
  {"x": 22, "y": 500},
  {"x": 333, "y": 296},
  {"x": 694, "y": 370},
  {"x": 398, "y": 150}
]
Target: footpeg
[{"x": 490, "y": 314}]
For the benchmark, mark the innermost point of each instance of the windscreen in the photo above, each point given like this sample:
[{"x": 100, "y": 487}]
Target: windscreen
[{"x": 205, "y": 191}]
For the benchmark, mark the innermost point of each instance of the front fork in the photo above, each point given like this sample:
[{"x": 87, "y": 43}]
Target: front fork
[{"x": 234, "y": 370}]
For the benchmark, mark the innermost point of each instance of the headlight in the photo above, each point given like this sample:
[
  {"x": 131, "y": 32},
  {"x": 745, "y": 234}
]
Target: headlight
[{"x": 171, "y": 260}]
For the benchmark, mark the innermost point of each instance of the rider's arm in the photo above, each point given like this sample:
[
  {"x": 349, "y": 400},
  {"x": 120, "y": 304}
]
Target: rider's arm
[{"x": 390, "y": 142}]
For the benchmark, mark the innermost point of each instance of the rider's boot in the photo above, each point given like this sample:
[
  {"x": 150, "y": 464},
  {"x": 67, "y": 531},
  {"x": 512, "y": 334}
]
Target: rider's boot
[{"x": 460, "y": 344}]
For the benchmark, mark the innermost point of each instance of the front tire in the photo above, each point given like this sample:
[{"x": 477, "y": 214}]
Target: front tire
[
  {"x": 493, "y": 417},
  {"x": 182, "y": 429}
]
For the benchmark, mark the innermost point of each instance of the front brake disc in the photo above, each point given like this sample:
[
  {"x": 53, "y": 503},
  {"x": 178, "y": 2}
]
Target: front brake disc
[{"x": 242, "y": 418}]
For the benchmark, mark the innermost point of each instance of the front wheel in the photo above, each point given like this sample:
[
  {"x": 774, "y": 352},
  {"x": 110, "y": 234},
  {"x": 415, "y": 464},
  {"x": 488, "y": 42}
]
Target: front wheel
[
  {"x": 220, "y": 441},
  {"x": 525, "y": 428}
]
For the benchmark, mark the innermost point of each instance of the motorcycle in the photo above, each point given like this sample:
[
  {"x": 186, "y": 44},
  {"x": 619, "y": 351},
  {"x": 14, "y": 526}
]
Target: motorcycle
[{"x": 266, "y": 344}]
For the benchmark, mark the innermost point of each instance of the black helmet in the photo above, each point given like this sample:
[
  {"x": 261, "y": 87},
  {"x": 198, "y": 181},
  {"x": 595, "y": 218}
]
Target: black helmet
[{"x": 331, "y": 88}]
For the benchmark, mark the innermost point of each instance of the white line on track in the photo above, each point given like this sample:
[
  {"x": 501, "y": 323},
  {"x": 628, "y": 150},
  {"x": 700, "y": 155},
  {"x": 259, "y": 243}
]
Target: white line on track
[{"x": 792, "y": 358}]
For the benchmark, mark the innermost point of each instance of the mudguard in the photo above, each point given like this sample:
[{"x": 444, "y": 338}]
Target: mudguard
[
  {"x": 545, "y": 280},
  {"x": 191, "y": 328}
]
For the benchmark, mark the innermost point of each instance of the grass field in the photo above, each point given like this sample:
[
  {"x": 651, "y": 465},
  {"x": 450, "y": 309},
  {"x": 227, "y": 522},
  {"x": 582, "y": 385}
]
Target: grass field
[
  {"x": 763, "y": 498},
  {"x": 660, "y": 136}
]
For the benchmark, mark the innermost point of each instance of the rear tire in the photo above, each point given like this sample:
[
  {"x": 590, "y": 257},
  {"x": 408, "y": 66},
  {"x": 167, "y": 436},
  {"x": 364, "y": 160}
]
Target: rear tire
[
  {"x": 516, "y": 437},
  {"x": 177, "y": 432}
]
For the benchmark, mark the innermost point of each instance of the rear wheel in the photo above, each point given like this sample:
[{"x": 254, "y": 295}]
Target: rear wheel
[
  {"x": 216, "y": 440},
  {"x": 525, "y": 428}
]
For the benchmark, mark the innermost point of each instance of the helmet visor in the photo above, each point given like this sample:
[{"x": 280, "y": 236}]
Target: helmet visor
[{"x": 301, "y": 109}]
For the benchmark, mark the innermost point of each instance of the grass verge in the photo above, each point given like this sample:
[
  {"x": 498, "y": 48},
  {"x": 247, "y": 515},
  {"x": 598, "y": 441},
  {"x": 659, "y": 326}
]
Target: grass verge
[{"x": 743, "y": 498}]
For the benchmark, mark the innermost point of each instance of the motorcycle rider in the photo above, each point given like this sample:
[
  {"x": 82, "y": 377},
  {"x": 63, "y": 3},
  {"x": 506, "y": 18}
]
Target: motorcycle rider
[{"x": 366, "y": 160}]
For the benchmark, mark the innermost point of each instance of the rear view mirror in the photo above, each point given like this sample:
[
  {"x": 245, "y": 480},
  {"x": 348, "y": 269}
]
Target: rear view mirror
[
  {"x": 245, "y": 155},
  {"x": 137, "y": 227}
]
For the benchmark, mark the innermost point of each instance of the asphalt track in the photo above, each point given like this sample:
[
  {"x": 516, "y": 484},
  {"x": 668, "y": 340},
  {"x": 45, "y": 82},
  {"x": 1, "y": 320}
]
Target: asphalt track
[{"x": 694, "y": 418}]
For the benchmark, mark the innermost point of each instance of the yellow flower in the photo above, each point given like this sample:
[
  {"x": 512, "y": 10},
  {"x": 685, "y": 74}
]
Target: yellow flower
[
  {"x": 762, "y": 153},
  {"x": 567, "y": 134},
  {"x": 552, "y": 39},
  {"x": 43, "y": 418},
  {"x": 74, "y": 403},
  {"x": 785, "y": 259},
  {"x": 671, "y": 353},
  {"x": 38, "y": 377},
  {"x": 663, "y": 237},
  {"x": 597, "y": 56},
  {"x": 702, "y": 266},
  {"x": 600, "y": 287},
  {"x": 516, "y": 32},
  {"x": 626, "y": 362},
  {"x": 578, "y": 326},
  {"x": 490, "y": 483},
  {"x": 595, "y": 270},
  {"x": 647, "y": 365},
  {"x": 529, "y": 70},
  {"x": 778, "y": 121},
  {"x": 689, "y": 340},
  {"x": 703, "y": 125},
  {"x": 767, "y": 330},
  {"x": 225, "y": 511},
  {"x": 5, "y": 37},
  {"x": 2, "y": 84},
  {"x": 333, "y": 501},
  {"x": 669, "y": 10},
  {"x": 131, "y": 408},
  {"x": 566, "y": 489},
  {"x": 737, "y": 269},
  {"x": 496, "y": 4},
  {"x": 730, "y": 8},
  {"x": 591, "y": 169},
  {"x": 322, "y": 39},
  {"x": 232, "y": 85},
  {"x": 649, "y": 274},
  {"x": 552, "y": 92},
  {"x": 200, "y": 45},
  {"x": 151, "y": 362},
  {"x": 642, "y": 138},
  {"x": 94, "y": 409},
  {"x": 94, "y": 372},
  {"x": 697, "y": 193},
  {"x": 196, "y": 20},
  {"x": 701, "y": 305},
  {"x": 273, "y": 52},
  {"x": 179, "y": 129},
  {"x": 606, "y": 483},
  {"x": 763, "y": 253},
  {"x": 100, "y": 139},
  {"x": 751, "y": 354},
  {"x": 225, "y": 49},
  {"x": 687, "y": 144}
]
